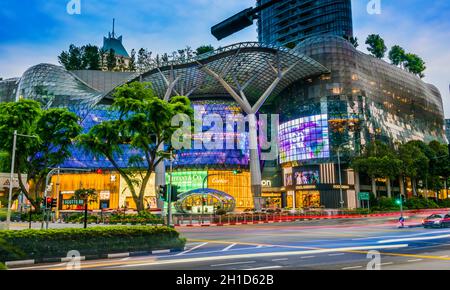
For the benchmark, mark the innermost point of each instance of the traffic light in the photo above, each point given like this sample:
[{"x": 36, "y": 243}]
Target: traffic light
[
  {"x": 54, "y": 203},
  {"x": 48, "y": 202},
  {"x": 174, "y": 196},
  {"x": 162, "y": 192},
  {"x": 400, "y": 200}
]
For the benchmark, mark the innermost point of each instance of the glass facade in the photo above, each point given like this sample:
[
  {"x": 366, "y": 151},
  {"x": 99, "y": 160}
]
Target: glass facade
[
  {"x": 292, "y": 21},
  {"x": 336, "y": 95}
]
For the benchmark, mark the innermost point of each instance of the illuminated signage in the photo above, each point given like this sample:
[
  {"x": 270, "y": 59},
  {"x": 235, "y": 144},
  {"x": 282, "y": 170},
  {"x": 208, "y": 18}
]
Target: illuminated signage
[
  {"x": 307, "y": 177},
  {"x": 304, "y": 139},
  {"x": 187, "y": 180}
]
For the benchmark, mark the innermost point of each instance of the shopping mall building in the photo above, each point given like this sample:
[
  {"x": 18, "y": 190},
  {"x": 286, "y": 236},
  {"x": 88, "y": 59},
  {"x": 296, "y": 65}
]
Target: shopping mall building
[{"x": 328, "y": 96}]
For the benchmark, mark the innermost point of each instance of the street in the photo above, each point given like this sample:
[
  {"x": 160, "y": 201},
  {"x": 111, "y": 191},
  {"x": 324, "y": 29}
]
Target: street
[{"x": 314, "y": 245}]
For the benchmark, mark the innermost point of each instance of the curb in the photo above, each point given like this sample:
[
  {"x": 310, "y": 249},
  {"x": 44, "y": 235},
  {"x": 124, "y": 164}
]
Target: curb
[{"x": 91, "y": 257}]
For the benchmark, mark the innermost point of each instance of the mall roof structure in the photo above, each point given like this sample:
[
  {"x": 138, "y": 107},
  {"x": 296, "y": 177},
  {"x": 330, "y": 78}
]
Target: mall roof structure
[{"x": 249, "y": 67}]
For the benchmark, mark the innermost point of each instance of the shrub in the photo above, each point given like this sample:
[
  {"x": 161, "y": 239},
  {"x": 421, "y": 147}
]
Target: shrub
[
  {"x": 40, "y": 244},
  {"x": 420, "y": 203},
  {"x": 3, "y": 267}
]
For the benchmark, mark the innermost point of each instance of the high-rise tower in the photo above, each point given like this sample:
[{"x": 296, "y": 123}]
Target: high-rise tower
[{"x": 292, "y": 21}]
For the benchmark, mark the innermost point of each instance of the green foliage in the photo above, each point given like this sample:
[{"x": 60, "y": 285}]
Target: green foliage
[
  {"x": 3, "y": 267},
  {"x": 144, "y": 125},
  {"x": 80, "y": 58},
  {"x": 111, "y": 60},
  {"x": 420, "y": 203},
  {"x": 397, "y": 55},
  {"x": 132, "y": 63},
  {"x": 39, "y": 244},
  {"x": 415, "y": 162},
  {"x": 415, "y": 64},
  {"x": 352, "y": 40},
  {"x": 91, "y": 57},
  {"x": 376, "y": 45},
  {"x": 378, "y": 160},
  {"x": 54, "y": 130},
  {"x": 204, "y": 49}
]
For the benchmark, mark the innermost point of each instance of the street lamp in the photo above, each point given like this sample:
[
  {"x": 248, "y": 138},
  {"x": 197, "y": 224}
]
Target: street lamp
[{"x": 13, "y": 160}]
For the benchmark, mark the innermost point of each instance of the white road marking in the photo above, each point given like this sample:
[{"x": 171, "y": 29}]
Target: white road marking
[
  {"x": 414, "y": 239},
  {"x": 337, "y": 254},
  {"x": 263, "y": 268},
  {"x": 125, "y": 259},
  {"x": 270, "y": 254},
  {"x": 402, "y": 236},
  {"x": 352, "y": 268},
  {"x": 282, "y": 259},
  {"x": 236, "y": 263},
  {"x": 308, "y": 257},
  {"x": 229, "y": 247},
  {"x": 386, "y": 264},
  {"x": 416, "y": 260},
  {"x": 191, "y": 249},
  {"x": 445, "y": 256}
]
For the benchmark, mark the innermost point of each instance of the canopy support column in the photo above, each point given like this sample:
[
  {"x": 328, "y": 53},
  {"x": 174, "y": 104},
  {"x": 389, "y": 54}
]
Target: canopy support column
[{"x": 251, "y": 111}]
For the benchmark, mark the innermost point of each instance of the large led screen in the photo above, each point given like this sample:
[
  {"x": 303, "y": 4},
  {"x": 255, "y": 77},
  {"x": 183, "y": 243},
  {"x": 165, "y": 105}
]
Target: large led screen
[{"x": 304, "y": 139}]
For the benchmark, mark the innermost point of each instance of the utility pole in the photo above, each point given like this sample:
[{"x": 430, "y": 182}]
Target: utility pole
[
  {"x": 169, "y": 197},
  {"x": 341, "y": 194}
]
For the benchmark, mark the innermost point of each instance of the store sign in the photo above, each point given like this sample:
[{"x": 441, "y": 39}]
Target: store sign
[
  {"x": 220, "y": 181},
  {"x": 73, "y": 202},
  {"x": 188, "y": 180},
  {"x": 266, "y": 183},
  {"x": 5, "y": 180},
  {"x": 105, "y": 195}
]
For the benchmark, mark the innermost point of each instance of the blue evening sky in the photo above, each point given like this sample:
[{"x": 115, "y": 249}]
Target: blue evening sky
[{"x": 36, "y": 31}]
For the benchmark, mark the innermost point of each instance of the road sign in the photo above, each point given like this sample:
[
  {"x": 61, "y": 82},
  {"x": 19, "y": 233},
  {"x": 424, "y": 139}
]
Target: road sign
[{"x": 364, "y": 196}]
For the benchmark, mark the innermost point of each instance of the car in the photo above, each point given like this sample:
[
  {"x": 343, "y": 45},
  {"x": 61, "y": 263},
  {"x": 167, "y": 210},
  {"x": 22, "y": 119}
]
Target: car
[{"x": 437, "y": 221}]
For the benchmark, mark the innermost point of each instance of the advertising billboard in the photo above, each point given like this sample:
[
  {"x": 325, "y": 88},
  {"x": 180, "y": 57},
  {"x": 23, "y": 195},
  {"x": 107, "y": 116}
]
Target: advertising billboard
[{"x": 304, "y": 139}]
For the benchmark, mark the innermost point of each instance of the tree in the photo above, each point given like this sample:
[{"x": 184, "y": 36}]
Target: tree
[
  {"x": 397, "y": 55},
  {"x": 376, "y": 45},
  {"x": 87, "y": 196},
  {"x": 204, "y": 49},
  {"x": 352, "y": 40},
  {"x": 91, "y": 57},
  {"x": 111, "y": 60},
  {"x": 378, "y": 161},
  {"x": 55, "y": 129},
  {"x": 415, "y": 162},
  {"x": 144, "y": 125},
  {"x": 72, "y": 59},
  {"x": 414, "y": 64},
  {"x": 132, "y": 62},
  {"x": 144, "y": 59}
]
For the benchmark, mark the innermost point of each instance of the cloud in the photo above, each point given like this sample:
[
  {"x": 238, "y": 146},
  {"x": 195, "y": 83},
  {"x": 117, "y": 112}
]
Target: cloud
[
  {"x": 421, "y": 27},
  {"x": 161, "y": 26}
]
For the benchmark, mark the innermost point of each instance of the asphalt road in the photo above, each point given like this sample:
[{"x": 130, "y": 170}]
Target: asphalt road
[{"x": 332, "y": 244}]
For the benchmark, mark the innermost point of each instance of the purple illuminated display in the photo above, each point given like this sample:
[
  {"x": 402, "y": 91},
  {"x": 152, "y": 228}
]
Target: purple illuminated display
[{"x": 304, "y": 139}]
